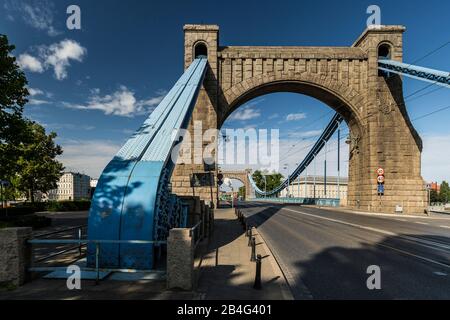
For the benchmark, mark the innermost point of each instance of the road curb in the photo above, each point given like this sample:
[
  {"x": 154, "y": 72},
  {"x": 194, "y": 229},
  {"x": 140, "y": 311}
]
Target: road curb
[{"x": 282, "y": 271}]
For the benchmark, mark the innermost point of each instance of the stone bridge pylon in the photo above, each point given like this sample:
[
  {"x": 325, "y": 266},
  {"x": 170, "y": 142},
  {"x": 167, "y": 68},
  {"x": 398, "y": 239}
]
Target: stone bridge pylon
[
  {"x": 347, "y": 79},
  {"x": 242, "y": 176}
]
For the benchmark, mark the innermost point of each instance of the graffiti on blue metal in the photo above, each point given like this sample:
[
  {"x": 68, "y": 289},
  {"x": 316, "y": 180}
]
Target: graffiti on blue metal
[{"x": 133, "y": 199}]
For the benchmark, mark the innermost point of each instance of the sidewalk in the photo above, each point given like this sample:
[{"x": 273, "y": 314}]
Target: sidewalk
[
  {"x": 232, "y": 277},
  {"x": 226, "y": 272}
]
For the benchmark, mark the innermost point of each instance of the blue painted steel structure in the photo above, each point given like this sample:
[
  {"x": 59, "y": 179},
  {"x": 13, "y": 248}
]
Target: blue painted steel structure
[
  {"x": 441, "y": 78},
  {"x": 133, "y": 200},
  {"x": 326, "y": 135}
]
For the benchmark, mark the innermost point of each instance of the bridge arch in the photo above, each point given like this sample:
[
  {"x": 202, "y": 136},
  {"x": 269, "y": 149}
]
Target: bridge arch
[
  {"x": 242, "y": 176},
  {"x": 347, "y": 102},
  {"x": 344, "y": 78}
]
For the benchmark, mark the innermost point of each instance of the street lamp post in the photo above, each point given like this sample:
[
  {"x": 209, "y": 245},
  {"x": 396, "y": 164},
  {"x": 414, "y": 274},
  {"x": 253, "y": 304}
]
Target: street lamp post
[
  {"x": 286, "y": 166},
  {"x": 298, "y": 183},
  {"x": 315, "y": 173},
  {"x": 265, "y": 186},
  {"x": 339, "y": 163}
]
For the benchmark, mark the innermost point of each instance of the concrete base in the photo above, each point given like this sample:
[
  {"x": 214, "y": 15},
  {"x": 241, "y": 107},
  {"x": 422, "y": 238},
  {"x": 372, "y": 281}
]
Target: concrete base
[{"x": 15, "y": 255}]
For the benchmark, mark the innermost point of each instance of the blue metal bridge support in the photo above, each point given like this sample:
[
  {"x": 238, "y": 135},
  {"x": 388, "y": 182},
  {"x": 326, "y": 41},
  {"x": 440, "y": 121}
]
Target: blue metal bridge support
[
  {"x": 437, "y": 77},
  {"x": 326, "y": 135},
  {"x": 133, "y": 200}
]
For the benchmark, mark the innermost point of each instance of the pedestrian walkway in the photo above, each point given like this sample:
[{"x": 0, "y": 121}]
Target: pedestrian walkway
[{"x": 226, "y": 271}]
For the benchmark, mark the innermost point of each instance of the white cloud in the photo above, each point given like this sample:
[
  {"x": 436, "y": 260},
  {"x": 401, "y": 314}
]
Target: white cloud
[
  {"x": 273, "y": 116},
  {"x": 37, "y": 102},
  {"x": 90, "y": 157},
  {"x": 154, "y": 101},
  {"x": 304, "y": 134},
  {"x": 57, "y": 56},
  {"x": 120, "y": 103},
  {"x": 30, "y": 63},
  {"x": 245, "y": 114},
  {"x": 39, "y": 14},
  {"x": 69, "y": 126},
  {"x": 295, "y": 116},
  {"x": 35, "y": 92}
]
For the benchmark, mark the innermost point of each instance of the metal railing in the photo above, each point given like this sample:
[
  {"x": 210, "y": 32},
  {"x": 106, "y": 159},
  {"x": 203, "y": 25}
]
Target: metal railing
[
  {"x": 196, "y": 233},
  {"x": 325, "y": 202},
  {"x": 84, "y": 242},
  {"x": 52, "y": 255}
]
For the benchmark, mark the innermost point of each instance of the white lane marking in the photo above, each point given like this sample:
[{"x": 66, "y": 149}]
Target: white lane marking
[
  {"x": 438, "y": 273},
  {"x": 418, "y": 222},
  {"x": 431, "y": 244},
  {"x": 415, "y": 255}
]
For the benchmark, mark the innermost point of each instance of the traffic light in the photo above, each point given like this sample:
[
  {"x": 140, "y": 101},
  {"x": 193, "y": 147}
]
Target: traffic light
[{"x": 219, "y": 179}]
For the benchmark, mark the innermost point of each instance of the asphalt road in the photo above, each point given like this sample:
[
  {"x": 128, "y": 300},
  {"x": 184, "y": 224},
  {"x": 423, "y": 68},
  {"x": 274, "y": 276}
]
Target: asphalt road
[{"x": 325, "y": 253}]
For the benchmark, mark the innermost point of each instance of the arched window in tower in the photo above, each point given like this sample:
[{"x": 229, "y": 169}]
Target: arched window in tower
[
  {"x": 200, "y": 50},
  {"x": 384, "y": 52}
]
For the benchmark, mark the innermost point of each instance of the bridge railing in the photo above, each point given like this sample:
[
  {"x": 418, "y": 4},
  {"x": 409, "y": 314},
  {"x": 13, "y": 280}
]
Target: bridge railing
[
  {"x": 324, "y": 202},
  {"x": 84, "y": 242},
  {"x": 196, "y": 233}
]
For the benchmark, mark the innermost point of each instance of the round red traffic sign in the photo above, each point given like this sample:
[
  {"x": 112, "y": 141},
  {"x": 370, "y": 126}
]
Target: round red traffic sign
[
  {"x": 380, "y": 179},
  {"x": 380, "y": 171}
]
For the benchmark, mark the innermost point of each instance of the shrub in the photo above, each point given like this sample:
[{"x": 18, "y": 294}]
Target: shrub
[
  {"x": 78, "y": 205},
  {"x": 16, "y": 211},
  {"x": 32, "y": 220}
]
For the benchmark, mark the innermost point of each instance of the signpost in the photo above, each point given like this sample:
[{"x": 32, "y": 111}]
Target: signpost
[
  {"x": 380, "y": 183},
  {"x": 428, "y": 186}
]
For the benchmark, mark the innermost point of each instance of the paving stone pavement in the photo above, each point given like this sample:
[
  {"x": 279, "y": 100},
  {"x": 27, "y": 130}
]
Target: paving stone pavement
[{"x": 226, "y": 271}]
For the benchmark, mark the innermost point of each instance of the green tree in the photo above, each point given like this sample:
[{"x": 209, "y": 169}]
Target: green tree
[
  {"x": 241, "y": 192},
  {"x": 273, "y": 180},
  {"x": 444, "y": 192},
  {"x": 434, "y": 196},
  {"x": 13, "y": 97},
  {"x": 38, "y": 168}
]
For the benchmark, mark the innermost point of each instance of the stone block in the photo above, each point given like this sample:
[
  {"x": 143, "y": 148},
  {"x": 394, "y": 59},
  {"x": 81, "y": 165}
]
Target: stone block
[
  {"x": 15, "y": 255},
  {"x": 180, "y": 259}
]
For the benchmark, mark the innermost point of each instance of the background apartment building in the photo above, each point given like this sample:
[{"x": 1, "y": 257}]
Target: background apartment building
[
  {"x": 71, "y": 186},
  {"x": 314, "y": 187}
]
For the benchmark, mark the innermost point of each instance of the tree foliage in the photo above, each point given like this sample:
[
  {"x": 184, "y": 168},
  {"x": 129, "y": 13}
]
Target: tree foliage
[
  {"x": 13, "y": 97},
  {"x": 273, "y": 180},
  {"x": 444, "y": 192},
  {"x": 241, "y": 192},
  {"x": 38, "y": 167},
  {"x": 27, "y": 153}
]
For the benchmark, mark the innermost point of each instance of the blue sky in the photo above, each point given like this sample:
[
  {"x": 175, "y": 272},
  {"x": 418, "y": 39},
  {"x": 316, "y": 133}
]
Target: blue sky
[{"x": 96, "y": 85}]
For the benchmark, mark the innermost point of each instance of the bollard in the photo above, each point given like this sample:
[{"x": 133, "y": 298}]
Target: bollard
[
  {"x": 247, "y": 233},
  {"x": 97, "y": 270},
  {"x": 253, "y": 255},
  {"x": 250, "y": 237},
  {"x": 257, "y": 284},
  {"x": 79, "y": 244}
]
